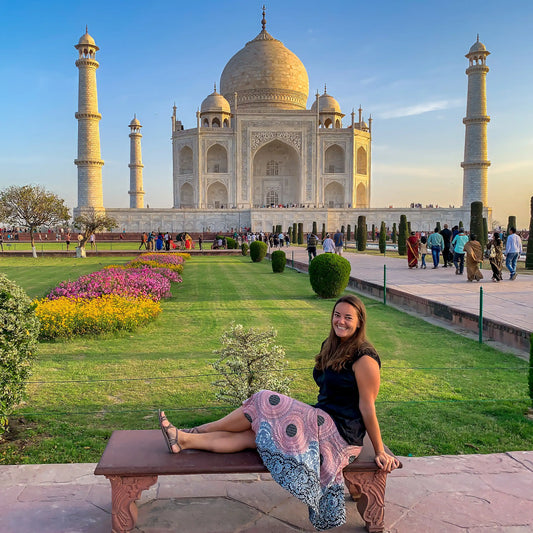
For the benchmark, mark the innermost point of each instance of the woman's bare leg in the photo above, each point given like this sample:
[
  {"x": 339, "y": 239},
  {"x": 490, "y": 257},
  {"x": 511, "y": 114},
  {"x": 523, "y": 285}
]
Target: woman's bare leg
[{"x": 234, "y": 422}]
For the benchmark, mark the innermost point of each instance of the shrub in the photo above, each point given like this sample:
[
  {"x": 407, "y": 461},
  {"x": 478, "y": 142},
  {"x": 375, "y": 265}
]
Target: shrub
[
  {"x": 258, "y": 251},
  {"x": 300, "y": 233},
  {"x": 249, "y": 362},
  {"x": 529, "y": 252},
  {"x": 403, "y": 234},
  {"x": 349, "y": 233},
  {"x": 294, "y": 233},
  {"x": 279, "y": 260},
  {"x": 231, "y": 243},
  {"x": 373, "y": 233},
  {"x": 19, "y": 328},
  {"x": 361, "y": 233},
  {"x": 315, "y": 228},
  {"x": 244, "y": 248},
  {"x": 394, "y": 234},
  {"x": 476, "y": 221},
  {"x": 383, "y": 238},
  {"x": 485, "y": 232},
  {"x": 329, "y": 275},
  {"x": 323, "y": 231},
  {"x": 438, "y": 226}
]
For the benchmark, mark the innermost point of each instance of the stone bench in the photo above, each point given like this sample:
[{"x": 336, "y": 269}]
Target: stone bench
[{"x": 134, "y": 459}]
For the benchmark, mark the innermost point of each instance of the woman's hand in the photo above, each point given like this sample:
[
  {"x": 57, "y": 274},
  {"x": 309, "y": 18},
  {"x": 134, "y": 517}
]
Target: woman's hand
[{"x": 386, "y": 462}]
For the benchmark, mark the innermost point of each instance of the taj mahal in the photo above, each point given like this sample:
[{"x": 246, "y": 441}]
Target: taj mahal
[{"x": 259, "y": 156}]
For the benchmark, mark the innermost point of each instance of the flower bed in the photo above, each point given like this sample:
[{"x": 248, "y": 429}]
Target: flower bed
[{"x": 66, "y": 317}]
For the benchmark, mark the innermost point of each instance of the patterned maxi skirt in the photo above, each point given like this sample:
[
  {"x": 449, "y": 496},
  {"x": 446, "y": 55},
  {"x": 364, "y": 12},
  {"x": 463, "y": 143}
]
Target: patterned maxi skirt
[{"x": 303, "y": 450}]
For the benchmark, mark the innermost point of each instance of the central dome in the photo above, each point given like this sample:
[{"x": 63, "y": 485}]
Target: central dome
[{"x": 265, "y": 75}]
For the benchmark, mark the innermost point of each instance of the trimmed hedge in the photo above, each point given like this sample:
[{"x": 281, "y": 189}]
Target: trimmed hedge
[
  {"x": 231, "y": 243},
  {"x": 329, "y": 275},
  {"x": 403, "y": 234},
  {"x": 383, "y": 238},
  {"x": 244, "y": 248},
  {"x": 279, "y": 260},
  {"x": 258, "y": 251}
]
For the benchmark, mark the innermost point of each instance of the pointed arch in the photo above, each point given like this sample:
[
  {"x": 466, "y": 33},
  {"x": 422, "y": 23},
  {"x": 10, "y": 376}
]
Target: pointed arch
[
  {"x": 328, "y": 123},
  {"x": 185, "y": 160},
  {"x": 217, "y": 195},
  {"x": 361, "y": 161},
  {"x": 186, "y": 195},
  {"x": 215, "y": 123},
  {"x": 334, "y": 160},
  {"x": 361, "y": 198},
  {"x": 217, "y": 159},
  {"x": 334, "y": 195}
]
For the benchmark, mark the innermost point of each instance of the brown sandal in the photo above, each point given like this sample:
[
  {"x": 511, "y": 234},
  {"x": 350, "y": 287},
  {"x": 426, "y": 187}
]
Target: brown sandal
[{"x": 168, "y": 439}]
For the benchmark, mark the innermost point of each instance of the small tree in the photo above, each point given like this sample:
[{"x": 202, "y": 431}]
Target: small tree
[
  {"x": 485, "y": 232},
  {"x": 511, "y": 223},
  {"x": 244, "y": 248},
  {"x": 278, "y": 229},
  {"x": 403, "y": 234},
  {"x": 32, "y": 206},
  {"x": 383, "y": 238},
  {"x": 373, "y": 234},
  {"x": 248, "y": 362},
  {"x": 89, "y": 223},
  {"x": 394, "y": 235},
  {"x": 529, "y": 252},
  {"x": 361, "y": 233},
  {"x": 300, "y": 233},
  {"x": 355, "y": 233},
  {"x": 476, "y": 220},
  {"x": 315, "y": 228},
  {"x": 349, "y": 233},
  {"x": 294, "y": 233},
  {"x": 342, "y": 229},
  {"x": 438, "y": 226},
  {"x": 329, "y": 275},
  {"x": 323, "y": 231},
  {"x": 461, "y": 225},
  {"x": 19, "y": 329}
]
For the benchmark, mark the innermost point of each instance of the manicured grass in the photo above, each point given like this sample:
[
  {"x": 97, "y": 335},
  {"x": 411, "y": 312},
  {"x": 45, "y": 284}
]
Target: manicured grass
[{"x": 440, "y": 393}]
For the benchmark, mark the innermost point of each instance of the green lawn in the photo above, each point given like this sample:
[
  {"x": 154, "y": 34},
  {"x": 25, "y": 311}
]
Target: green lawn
[{"x": 440, "y": 393}]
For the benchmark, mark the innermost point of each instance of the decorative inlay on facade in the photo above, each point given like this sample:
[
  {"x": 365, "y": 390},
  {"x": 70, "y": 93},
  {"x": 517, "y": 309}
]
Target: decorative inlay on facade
[{"x": 259, "y": 138}]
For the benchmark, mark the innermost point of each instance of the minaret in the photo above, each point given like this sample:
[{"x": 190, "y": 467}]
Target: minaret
[
  {"x": 89, "y": 162},
  {"x": 475, "y": 163},
  {"x": 136, "y": 165}
]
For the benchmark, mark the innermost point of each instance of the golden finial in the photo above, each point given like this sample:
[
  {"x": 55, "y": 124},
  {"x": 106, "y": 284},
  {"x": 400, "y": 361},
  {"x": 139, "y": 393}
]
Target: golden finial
[
  {"x": 263, "y": 21},
  {"x": 215, "y": 85},
  {"x": 86, "y": 29}
]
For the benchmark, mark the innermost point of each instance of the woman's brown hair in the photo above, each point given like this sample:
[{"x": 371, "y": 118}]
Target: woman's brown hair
[{"x": 336, "y": 354}]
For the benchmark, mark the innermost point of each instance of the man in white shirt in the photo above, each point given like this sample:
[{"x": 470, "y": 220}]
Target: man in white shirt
[{"x": 513, "y": 249}]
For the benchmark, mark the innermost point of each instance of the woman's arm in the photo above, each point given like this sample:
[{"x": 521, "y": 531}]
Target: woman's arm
[{"x": 366, "y": 370}]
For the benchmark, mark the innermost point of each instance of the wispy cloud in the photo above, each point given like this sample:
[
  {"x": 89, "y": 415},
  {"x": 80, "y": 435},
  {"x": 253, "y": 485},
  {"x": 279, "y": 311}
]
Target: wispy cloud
[{"x": 419, "y": 109}]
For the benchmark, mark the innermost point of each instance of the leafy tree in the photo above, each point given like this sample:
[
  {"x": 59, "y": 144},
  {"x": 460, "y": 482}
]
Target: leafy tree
[
  {"x": 361, "y": 233},
  {"x": 19, "y": 329},
  {"x": 91, "y": 221},
  {"x": 32, "y": 206},
  {"x": 403, "y": 234},
  {"x": 383, "y": 238},
  {"x": 529, "y": 253},
  {"x": 248, "y": 362}
]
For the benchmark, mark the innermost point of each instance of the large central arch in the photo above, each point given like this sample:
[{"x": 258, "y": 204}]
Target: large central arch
[{"x": 276, "y": 174}]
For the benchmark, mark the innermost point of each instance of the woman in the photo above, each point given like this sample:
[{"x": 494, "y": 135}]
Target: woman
[
  {"x": 474, "y": 256},
  {"x": 412, "y": 250},
  {"x": 306, "y": 447},
  {"x": 495, "y": 254}
]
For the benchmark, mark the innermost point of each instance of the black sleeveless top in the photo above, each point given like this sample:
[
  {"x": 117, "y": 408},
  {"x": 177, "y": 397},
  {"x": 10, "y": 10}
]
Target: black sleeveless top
[{"x": 339, "y": 397}]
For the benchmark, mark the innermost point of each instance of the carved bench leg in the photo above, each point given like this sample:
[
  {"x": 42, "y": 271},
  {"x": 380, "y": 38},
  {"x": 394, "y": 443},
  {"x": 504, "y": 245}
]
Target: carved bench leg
[
  {"x": 368, "y": 489},
  {"x": 124, "y": 491}
]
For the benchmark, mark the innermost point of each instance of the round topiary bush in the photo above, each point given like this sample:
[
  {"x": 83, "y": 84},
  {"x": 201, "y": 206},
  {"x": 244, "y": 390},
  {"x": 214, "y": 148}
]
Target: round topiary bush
[
  {"x": 329, "y": 275},
  {"x": 279, "y": 260},
  {"x": 19, "y": 329},
  {"x": 258, "y": 251},
  {"x": 231, "y": 243},
  {"x": 244, "y": 248}
]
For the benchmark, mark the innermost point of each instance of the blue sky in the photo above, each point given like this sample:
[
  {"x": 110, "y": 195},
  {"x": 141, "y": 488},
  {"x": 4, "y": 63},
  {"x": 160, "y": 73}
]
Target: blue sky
[{"x": 403, "y": 61}]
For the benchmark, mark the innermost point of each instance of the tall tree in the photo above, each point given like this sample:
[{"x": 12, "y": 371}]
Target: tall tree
[
  {"x": 90, "y": 222},
  {"x": 383, "y": 238},
  {"x": 32, "y": 206},
  {"x": 476, "y": 221},
  {"x": 362, "y": 233},
  {"x": 403, "y": 234}
]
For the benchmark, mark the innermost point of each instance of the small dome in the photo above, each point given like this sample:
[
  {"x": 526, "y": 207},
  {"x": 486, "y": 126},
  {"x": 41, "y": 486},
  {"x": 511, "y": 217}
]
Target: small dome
[
  {"x": 215, "y": 103},
  {"x": 326, "y": 104},
  {"x": 86, "y": 39},
  {"x": 135, "y": 122},
  {"x": 477, "y": 47}
]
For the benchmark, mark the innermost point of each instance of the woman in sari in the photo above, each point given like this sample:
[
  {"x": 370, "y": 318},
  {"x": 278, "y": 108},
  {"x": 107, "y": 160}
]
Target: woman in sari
[
  {"x": 412, "y": 250},
  {"x": 474, "y": 256},
  {"x": 306, "y": 447},
  {"x": 495, "y": 253}
]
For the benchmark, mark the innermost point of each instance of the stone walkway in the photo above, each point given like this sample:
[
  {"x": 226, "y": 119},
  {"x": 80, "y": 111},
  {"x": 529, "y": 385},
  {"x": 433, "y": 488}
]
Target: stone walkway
[{"x": 446, "y": 494}]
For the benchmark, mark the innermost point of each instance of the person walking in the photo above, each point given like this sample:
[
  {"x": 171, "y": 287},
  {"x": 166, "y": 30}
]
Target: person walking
[
  {"x": 495, "y": 254},
  {"x": 412, "y": 250},
  {"x": 513, "y": 249},
  {"x": 312, "y": 241},
  {"x": 328, "y": 434},
  {"x": 423, "y": 251},
  {"x": 447, "y": 254},
  {"x": 436, "y": 244},
  {"x": 338, "y": 239},
  {"x": 328, "y": 245},
  {"x": 473, "y": 256},
  {"x": 67, "y": 239},
  {"x": 458, "y": 243}
]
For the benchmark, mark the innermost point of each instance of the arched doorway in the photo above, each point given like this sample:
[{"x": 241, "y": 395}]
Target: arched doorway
[
  {"x": 334, "y": 195},
  {"x": 360, "y": 196},
  {"x": 217, "y": 159},
  {"x": 185, "y": 160},
  {"x": 334, "y": 160},
  {"x": 276, "y": 174},
  {"x": 186, "y": 195},
  {"x": 217, "y": 196}
]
